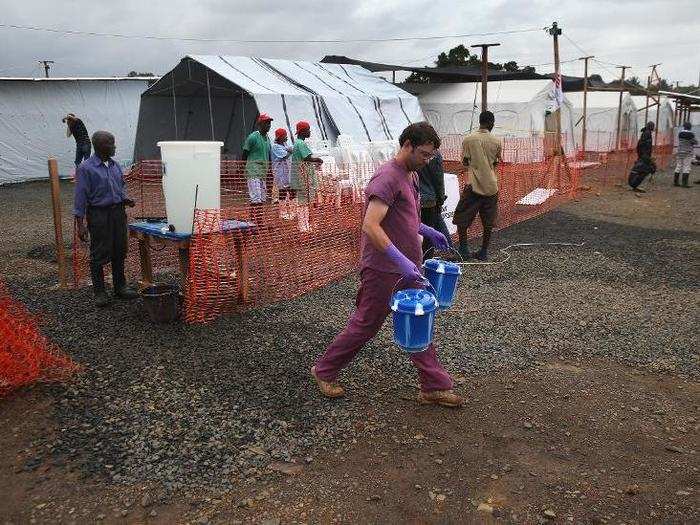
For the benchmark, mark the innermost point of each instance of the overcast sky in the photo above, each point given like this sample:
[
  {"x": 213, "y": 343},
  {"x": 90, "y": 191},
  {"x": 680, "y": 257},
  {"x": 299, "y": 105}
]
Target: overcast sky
[{"x": 636, "y": 33}]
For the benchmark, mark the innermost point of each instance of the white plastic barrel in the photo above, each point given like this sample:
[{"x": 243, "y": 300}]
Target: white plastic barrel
[{"x": 191, "y": 169}]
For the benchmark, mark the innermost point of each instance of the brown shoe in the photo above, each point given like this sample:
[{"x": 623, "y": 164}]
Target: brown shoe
[
  {"x": 445, "y": 398},
  {"x": 327, "y": 388}
]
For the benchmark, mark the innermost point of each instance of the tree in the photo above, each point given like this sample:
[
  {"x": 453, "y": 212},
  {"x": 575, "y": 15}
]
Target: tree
[
  {"x": 634, "y": 81},
  {"x": 461, "y": 57},
  {"x": 135, "y": 74}
]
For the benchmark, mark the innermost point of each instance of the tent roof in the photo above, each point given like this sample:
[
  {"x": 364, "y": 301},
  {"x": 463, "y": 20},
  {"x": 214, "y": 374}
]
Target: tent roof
[
  {"x": 596, "y": 99},
  {"x": 453, "y": 73},
  {"x": 514, "y": 91}
]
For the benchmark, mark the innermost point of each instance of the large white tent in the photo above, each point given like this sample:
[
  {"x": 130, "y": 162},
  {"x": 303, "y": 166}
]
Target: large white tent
[
  {"x": 211, "y": 97},
  {"x": 31, "y": 130},
  {"x": 665, "y": 116},
  {"x": 521, "y": 108},
  {"x": 601, "y": 121}
]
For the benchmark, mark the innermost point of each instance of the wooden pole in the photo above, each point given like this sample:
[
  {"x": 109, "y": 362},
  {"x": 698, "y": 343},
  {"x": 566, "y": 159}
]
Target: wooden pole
[
  {"x": 484, "y": 74},
  {"x": 57, "y": 225},
  {"x": 555, "y": 31},
  {"x": 618, "y": 144},
  {"x": 646, "y": 105},
  {"x": 585, "y": 101},
  {"x": 655, "y": 73}
]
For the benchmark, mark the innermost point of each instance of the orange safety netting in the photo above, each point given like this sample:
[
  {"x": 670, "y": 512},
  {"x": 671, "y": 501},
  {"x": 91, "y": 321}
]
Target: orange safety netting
[
  {"x": 26, "y": 356},
  {"x": 298, "y": 241}
]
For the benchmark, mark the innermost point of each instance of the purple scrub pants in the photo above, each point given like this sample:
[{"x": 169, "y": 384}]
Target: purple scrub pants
[{"x": 371, "y": 309}]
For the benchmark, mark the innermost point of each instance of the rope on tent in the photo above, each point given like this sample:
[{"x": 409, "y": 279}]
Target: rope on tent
[
  {"x": 211, "y": 117},
  {"x": 172, "y": 77}
]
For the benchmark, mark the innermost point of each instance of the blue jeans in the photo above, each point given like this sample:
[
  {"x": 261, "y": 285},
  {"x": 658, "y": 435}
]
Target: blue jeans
[{"x": 82, "y": 152}]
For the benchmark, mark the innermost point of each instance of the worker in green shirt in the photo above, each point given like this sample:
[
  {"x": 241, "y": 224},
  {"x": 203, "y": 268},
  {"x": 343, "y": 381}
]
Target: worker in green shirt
[
  {"x": 256, "y": 155},
  {"x": 302, "y": 177}
]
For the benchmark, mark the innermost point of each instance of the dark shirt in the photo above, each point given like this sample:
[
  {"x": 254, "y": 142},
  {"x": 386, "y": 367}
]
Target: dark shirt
[
  {"x": 686, "y": 143},
  {"x": 431, "y": 183},
  {"x": 79, "y": 132},
  {"x": 645, "y": 143},
  {"x": 98, "y": 185}
]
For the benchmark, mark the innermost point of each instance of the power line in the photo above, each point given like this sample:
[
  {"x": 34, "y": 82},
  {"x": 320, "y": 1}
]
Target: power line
[{"x": 244, "y": 41}]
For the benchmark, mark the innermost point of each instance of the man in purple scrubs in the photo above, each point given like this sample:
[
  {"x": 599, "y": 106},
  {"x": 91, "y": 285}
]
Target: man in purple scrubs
[
  {"x": 391, "y": 254},
  {"x": 100, "y": 197}
]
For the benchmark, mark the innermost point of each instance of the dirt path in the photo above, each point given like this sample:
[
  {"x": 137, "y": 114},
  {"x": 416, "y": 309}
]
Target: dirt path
[{"x": 585, "y": 442}]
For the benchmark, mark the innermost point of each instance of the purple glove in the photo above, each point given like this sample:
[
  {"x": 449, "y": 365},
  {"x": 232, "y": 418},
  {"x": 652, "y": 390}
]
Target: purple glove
[
  {"x": 408, "y": 270},
  {"x": 437, "y": 239}
]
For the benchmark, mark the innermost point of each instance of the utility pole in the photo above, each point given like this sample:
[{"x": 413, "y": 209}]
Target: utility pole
[
  {"x": 484, "y": 73},
  {"x": 47, "y": 66},
  {"x": 619, "y": 105},
  {"x": 654, "y": 76},
  {"x": 585, "y": 101},
  {"x": 555, "y": 31}
]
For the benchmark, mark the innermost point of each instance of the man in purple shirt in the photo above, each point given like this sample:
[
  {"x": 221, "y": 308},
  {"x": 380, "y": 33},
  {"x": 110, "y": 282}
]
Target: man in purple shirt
[
  {"x": 391, "y": 254},
  {"x": 100, "y": 197}
]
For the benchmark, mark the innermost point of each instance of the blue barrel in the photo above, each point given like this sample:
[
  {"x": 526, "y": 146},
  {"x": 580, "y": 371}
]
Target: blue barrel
[
  {"x": 414, "y": 318},
  {"x": 443, "y": 275}
]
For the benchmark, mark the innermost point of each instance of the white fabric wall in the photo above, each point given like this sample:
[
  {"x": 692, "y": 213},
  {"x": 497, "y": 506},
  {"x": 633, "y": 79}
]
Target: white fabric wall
[
  {"x": 31, "y": 130},
  {"x": 665, "y": 117},
  {"x": 601, "y": 124}
]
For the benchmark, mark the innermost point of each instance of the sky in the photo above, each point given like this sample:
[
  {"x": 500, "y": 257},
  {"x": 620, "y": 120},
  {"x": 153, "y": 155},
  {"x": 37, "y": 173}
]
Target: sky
[{"x": 635, "y": 33}]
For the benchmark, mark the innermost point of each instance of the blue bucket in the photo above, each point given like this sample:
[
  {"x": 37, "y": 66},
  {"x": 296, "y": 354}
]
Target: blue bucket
[
  {"x": 443, "y": 275},
  {"x": 414, "y": 319}
]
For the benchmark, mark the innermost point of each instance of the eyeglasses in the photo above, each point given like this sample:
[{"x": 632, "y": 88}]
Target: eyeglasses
[{"x": 425, "y": 155}]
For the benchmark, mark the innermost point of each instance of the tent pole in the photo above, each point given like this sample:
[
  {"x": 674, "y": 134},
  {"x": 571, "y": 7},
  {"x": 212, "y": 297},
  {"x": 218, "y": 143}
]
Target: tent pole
[
  {"x": 618, "y": 142},
  {"x": 585, "y": 101},
  {"x": 484, "y": 73},
  {"x": 172, "y": 77},
  {"x": 211, "y": 116}
]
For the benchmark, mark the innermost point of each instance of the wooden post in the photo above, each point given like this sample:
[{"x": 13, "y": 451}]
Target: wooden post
[
  {"x": 646, "y": 105},
  {"x": 585, "y": 101},
  {"x": 555, "y": 31},
  {"x": 57, "y": 226},
  {"x": 619, "y": 106},
  {"x": 484, "y": 74},
  {"x": 655, "y": 73}
]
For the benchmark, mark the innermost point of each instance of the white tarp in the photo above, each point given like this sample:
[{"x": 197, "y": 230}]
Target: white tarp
[
  {"x": 665, "y": 116},
  {"x": 31, "y": 130},
  {"x": 452, "y": 191},
  {"x": 520, "y": 107},
  {"x": 601, "y": 125},
  {"x": 335, "y": 98}
]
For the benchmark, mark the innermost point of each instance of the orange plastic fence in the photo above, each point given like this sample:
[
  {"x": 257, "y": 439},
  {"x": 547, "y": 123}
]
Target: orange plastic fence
[
  {"x": 26, "y": 356},
  {"x": 298, "y": 241}
]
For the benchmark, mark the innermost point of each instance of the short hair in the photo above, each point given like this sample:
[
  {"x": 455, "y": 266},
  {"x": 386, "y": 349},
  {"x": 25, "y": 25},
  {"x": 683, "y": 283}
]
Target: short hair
[
  {"x": 420, "y": 133},
  {"x": 486, "y": 118},
  {"x": 98, "y": 136}
]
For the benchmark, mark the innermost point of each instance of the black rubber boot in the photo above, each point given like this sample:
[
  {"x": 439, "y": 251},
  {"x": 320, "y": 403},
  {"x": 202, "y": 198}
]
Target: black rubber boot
[
  {"x": 675, "y": 179},
  {"x": 685, "y": 180}
]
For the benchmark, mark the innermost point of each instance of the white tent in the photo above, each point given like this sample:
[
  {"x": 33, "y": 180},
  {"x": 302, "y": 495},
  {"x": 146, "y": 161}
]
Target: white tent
[
  {"x": 601, "y": 125},
  {"x": 210, "y": 97},
  {"x": 521, "y": 107},
  {"x": 31, "y": 130},
  {"x": 665, "y": 116}
]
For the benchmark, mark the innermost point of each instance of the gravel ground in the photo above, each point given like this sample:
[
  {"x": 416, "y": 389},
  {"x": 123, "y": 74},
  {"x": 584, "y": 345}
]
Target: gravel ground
[{"x": 203, "y": 406}]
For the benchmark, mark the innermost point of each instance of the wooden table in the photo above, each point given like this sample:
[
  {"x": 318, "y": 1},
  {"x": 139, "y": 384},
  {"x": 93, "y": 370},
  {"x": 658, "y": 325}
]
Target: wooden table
[{"x": 145, "y": 231}]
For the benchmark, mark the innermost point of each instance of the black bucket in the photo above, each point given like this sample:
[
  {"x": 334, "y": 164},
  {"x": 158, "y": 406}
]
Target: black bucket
[{"x": 161, "y": 302}]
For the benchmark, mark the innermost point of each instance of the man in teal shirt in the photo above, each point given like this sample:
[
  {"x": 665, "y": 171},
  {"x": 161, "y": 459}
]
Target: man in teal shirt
[
  {"x": 303, "y": 175},
  {"x": 256, "y": 154}
]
